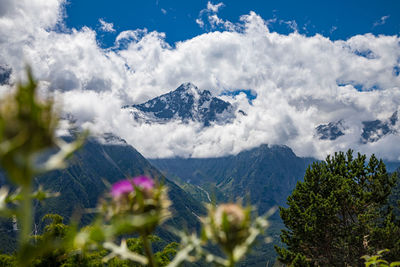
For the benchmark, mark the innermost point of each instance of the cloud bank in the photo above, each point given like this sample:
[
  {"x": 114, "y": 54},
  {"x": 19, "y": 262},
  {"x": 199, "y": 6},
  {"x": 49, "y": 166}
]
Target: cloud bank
[{"x": 300, "y": 82}]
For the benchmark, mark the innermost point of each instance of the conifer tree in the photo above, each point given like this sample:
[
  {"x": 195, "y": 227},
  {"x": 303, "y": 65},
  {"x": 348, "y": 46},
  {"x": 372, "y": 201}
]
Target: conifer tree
[{"x": 332, "y": 216}]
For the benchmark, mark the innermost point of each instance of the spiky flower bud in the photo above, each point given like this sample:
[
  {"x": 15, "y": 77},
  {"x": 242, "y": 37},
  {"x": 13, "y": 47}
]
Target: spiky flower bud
[
  {"x": 227, "y": 225},
  {"x": 234, "y": 214}
]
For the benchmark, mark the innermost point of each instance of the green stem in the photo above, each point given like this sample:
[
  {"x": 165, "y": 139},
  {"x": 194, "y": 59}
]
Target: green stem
[
  {"x": 148, "y": 251},
  {"x": 25, "y": 215},
  {"x": 231, "y": 260}
]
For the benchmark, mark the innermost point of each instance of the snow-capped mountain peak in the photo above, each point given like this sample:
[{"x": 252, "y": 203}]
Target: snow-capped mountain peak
[
  {"x": 189, "y": 88},
  {"x": 372, "y": 131},
  {"x": 186, "y": 103},
  {"x": 376, "y": 129}
]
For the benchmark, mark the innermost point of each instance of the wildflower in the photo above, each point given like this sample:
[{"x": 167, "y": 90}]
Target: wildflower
[
  {"x": 127, "y": 186},
  {"x": 143, "y": 182},
  {"x": 139, "y": 203},
  {"x": 121, "y": 188}
]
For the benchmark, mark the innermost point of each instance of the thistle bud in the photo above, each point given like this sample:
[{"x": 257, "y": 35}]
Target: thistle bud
[
  {"x": 234, "y": 214},
  {"x": 228, "y": 225}
]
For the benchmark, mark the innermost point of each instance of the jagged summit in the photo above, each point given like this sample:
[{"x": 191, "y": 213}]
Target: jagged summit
[
  {"x": 375, "y": 130},
  {"x": 372, "y": 131},
  {"x": 189, "y": 87},
  {"x": 330, "y": 131},
  {"x": 186, "y": 103}
]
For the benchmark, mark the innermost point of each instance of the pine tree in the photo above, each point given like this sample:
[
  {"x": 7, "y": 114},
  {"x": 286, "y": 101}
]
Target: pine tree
[{"x": 332, "y": 216}]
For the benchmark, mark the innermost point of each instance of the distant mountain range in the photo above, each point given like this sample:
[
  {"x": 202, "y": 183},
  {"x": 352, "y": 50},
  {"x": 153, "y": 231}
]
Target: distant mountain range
[
  {"x": 264, "y": 175},
  {"x": 187, "y": 103},
  {"x": 372, "y": 131}
]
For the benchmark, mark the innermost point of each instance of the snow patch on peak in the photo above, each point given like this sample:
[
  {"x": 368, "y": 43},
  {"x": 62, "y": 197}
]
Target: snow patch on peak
[
  {"x": 186, "y": 103},
  {"x": 188, "y": 87}
]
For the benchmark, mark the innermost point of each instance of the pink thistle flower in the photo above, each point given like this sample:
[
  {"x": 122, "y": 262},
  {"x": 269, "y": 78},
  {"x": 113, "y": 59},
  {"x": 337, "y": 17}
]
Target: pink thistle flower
[
  {"x": 143, "y": 182},
  {"x": 126, "y": 186},
  {"x": 121, "y": 187}
]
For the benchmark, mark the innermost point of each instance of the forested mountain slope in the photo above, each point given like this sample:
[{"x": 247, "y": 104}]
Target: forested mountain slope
[
  {"x": 264, "y": 175},
  {"x": 87, "y": 177}
]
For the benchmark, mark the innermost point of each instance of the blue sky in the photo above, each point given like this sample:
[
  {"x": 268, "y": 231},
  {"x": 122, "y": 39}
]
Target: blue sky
[{"x": 334, "y": 19}]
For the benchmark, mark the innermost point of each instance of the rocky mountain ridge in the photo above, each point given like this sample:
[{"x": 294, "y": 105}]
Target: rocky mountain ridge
[
  {"x": 372, "y": 131},
  {"x": 187, "y": 103}
]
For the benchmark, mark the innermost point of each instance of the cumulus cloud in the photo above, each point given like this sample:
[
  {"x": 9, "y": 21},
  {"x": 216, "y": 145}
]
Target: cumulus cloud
[
  {"x": 106, "y": 26},
  {"x": 300, "y": 82}
]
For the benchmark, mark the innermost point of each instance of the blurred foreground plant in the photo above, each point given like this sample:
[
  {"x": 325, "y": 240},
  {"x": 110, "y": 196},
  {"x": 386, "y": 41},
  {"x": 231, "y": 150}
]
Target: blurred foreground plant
[
  {"x": 27, "y": 130},
  {"x": 135, "y": 206},
  {"x": 229, "y": 226},
  {"x": 138, "y": 205}
]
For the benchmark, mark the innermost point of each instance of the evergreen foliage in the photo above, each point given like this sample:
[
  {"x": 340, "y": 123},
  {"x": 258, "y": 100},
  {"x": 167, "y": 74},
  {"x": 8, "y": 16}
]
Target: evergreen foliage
[{"x": 339, "y": 213}]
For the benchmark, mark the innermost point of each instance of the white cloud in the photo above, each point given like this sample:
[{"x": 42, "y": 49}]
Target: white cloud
[
  {"x": 300, "y": 81},
  {"x": 200, "y": 22},
  {"x": 214, "y": 8},
  {"x": 381, "y": 21},
  {"x": 163, "y": 11},
  {"x": 209, "y": 14},
  {"x": 106, "y": 26}
]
